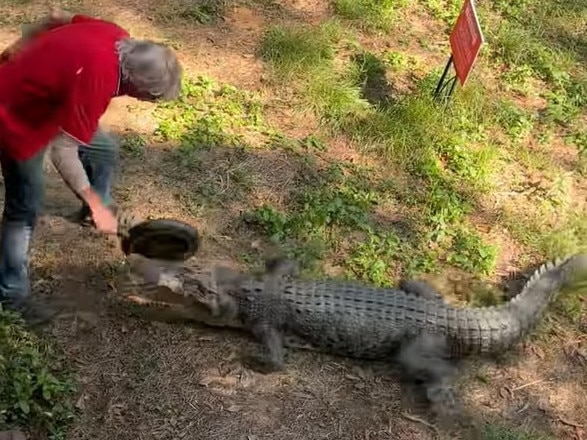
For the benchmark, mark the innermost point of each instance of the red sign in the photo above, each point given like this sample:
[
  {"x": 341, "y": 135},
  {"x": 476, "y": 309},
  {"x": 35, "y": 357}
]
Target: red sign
[{"x": 465, "y": 41}]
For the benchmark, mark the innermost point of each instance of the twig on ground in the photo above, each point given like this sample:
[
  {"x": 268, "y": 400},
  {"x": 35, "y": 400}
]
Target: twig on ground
[
  {"x": 420, "y": 420},
  {"x": 529, "y": 384},
  {"x": 569, "y": 423}
]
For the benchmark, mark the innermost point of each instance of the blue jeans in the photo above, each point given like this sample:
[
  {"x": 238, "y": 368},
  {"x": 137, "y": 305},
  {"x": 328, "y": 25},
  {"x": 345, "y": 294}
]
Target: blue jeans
[{"x": 24, "y": 192}]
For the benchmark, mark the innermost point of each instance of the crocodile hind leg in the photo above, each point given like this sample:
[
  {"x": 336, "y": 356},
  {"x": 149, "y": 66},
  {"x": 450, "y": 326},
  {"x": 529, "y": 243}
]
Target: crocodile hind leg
[
  {"x": 420, "y": 288},
  {"x": 426, "y": 359},
  {"x": 271, "y": 353}
]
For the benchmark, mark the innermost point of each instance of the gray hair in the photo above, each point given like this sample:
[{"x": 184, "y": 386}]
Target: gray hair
[{"x": 151, "y": 68}]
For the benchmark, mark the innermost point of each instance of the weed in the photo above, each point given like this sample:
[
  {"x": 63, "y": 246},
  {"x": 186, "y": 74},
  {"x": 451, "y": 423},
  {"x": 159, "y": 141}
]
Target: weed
[
  {"x": 579, "y": 140},
  {"x": 371, "y": 259},
  {"x": 397, "y": 60},
  {"x": 471, "y": 254},
  {"x": 36, "y": 393},
  {"x": 333, "y": 203},
  {"x": 512, "y": 8},
  {"x": 445, "y": 10}
]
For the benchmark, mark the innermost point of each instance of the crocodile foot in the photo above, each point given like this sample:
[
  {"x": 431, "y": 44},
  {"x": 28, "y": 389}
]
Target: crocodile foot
[
  {"x": 271, "y": 354},
  {"x": 425, "y": 359}
]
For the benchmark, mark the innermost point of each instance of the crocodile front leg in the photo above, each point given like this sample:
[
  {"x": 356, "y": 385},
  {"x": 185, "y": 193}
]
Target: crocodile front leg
[{"x": 271, "y": 354}]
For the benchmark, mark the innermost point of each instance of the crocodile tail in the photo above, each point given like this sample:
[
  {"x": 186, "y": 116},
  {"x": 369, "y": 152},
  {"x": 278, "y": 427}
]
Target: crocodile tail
[
  {"x": 491, "y": 329},
  {"x": 543, "y": 287}
]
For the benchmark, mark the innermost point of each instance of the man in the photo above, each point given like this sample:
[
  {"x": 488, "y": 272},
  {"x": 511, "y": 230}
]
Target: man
[{"x": 55, "y": 84}]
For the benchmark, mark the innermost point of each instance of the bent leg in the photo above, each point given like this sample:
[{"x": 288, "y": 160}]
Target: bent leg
[{"x": 24, "y": 197}]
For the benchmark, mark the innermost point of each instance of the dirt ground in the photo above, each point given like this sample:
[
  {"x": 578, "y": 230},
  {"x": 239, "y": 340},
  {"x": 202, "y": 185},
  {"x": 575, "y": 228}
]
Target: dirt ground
[{"x": 152, "y": 380}]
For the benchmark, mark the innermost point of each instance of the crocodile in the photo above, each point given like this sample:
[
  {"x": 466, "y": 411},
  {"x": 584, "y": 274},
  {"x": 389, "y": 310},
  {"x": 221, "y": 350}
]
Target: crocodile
[{"x": 410, "y": 323}]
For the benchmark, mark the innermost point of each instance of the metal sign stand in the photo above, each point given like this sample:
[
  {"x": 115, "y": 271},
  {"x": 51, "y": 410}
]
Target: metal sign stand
[{"x": 443, "y": 83}]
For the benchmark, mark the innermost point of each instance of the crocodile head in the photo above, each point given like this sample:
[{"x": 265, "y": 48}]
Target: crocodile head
[
  {"x": 193, "y": 292},
  {"x": 201, "y": 293}
]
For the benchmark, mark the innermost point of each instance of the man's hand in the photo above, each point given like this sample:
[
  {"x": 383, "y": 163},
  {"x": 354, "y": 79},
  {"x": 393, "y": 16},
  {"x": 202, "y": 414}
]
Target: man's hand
[
  {"x": 103, "y": 217},
  {"x": 105, "y": 220}
]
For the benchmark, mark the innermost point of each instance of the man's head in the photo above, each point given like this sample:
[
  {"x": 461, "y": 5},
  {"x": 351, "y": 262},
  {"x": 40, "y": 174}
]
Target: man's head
[{"x": 150, "y": 71}]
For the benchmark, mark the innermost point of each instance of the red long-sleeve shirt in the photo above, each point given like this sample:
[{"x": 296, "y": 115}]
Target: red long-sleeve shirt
[{"x": 64, "y": 79}]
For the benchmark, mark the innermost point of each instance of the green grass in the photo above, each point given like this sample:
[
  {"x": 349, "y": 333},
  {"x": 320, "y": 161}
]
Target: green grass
[{"x": 37, "y": 392}]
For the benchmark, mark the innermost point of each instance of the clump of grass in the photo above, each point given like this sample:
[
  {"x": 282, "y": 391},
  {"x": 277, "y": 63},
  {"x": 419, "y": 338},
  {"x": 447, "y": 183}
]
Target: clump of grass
[
  {"x": 36, "y": 392},
  {"x": 331, "y": 201},
  {"x": 297, "y": 49},
  {"x": 190, "y": 11},
  {"x": 370, "y": 14},
  {"x": 336, "y": 97}
]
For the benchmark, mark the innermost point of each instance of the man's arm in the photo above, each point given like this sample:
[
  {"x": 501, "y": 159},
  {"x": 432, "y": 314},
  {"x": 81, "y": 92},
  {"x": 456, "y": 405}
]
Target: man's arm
[
  {"x": 65, "y": 157},
  {"x": 63, "y": 152}
]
